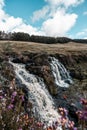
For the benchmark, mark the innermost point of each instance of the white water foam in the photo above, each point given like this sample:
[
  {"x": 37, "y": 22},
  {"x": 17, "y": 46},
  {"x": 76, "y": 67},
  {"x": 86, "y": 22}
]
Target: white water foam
[
  {"x": 61, "y": 75},
  {"x": 39, "y": 96}
]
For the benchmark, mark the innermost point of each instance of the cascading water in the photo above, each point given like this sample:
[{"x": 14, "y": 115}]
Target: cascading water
[
  {"x": 38, "y": 95},
  {"x": 61, "y": 75}
]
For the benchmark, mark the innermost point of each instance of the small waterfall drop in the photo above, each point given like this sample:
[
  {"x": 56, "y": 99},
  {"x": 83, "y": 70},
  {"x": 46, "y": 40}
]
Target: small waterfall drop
[
  {"x": 61, "y": 75},
  {"x": 38, "y": 95}
]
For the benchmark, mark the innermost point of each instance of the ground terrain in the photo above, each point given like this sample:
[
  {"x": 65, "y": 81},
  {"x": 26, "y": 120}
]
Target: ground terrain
[
  {"x": 72, "y": 55},
  {"x": 40, "y": 47}
]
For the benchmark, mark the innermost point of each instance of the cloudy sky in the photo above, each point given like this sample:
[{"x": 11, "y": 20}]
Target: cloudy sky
[{"x": 45, "y": 17}]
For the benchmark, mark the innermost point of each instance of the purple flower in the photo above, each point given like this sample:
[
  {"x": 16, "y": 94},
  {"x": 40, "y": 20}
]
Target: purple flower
[
  {"x": 65, "y": 111},
  {"x": 20, "y": 129},
  {"x": 14, "y": 94},
  {"x": 1, "y": 97},
  {"x": 10, "y": 106},
  {"x": 85, "y": 115},
  {"x": 12, "y": 100},
  {"x": 74, "y": 128},
  {"x": 83, "y": 101}
]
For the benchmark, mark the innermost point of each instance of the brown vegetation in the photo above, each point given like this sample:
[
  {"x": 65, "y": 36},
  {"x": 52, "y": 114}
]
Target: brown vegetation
[{"x": 31, "y": 47}]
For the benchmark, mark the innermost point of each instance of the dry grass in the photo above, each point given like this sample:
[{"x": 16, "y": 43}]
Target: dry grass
[{"x": 17, "y": 46}]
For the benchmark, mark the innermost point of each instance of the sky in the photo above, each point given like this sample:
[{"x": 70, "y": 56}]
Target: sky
[{"x": 55, "y": 18}]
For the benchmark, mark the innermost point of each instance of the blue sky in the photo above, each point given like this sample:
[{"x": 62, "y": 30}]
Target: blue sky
[{"x": 45, "y": 17}]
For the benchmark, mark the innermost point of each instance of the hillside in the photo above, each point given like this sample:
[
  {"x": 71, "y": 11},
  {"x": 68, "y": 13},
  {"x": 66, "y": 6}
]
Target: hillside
[
  {"x": 72, "y": 55},
  {"x": 35, "y": 56}
]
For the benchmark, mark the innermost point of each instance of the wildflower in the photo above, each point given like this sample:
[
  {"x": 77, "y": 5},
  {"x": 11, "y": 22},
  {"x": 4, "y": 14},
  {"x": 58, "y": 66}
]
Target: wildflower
[
  {"x": 84, "y": 115},
  {"x": 63, "y": 121},
  {"x": 20, "y": 129},
  {"x": 39, "y": 124},
  {"x": 74, "y": 128},
  {"x": 14, "y": 94},
  {"x": 65, "y": 112},
  {"x": 10, "y": 106},
  {"x": 60, "y": 109},
  {"x": 83, "y": 101},
  {"x": 1, "y": 97},
  {"x": 71, "y": 124},
  {"x": 12, "y": 100},
  {"x": 65, "y": 97}
]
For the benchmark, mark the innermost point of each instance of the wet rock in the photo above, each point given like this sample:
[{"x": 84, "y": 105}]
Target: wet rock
[
  {"x": 40, "y": 66},
  {"x": 45, "y": 73},
  {"x": 72, "y": 113}
]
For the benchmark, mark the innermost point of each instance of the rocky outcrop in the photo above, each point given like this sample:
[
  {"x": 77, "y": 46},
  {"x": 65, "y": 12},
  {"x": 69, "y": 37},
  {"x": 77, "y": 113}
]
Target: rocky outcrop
[
  {"x": 72, "y": 59},
  {"x": 75, "y": 63},
  {"x": 39, "y": 65}
]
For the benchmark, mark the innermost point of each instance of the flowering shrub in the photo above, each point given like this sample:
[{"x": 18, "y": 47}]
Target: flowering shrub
[
  {"x": 13, "y": 115},
  {"x": 82, "y": 115},
  {"x": 65, "y": 122}
]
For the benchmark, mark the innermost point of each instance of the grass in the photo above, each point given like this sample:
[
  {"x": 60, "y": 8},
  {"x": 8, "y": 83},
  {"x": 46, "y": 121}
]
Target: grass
[{"x": 20, "y": 47}]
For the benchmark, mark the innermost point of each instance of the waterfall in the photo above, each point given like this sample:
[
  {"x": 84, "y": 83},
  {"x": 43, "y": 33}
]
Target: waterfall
[
  {"x": 61, "y": 75},
  {"x": 42, "y": 102}
]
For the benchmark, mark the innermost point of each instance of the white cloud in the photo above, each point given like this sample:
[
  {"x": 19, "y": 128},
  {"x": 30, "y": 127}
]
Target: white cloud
[
  {"x": 82, "y": 34},
  {"x": 52, "y": 6},
  {"x": 27, "y": 29},
  {"x": 1, "y": 3},
  {"x": 60, "y": 24},
  {"x": 58, "y": 21},
  {"x": 66, "y": 3},
  {"x": 40, "y": 14},
  {"x": 72, "y": 2}
]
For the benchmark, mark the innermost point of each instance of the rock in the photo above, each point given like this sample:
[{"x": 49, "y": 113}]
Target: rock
[
  {"x": 41, "y": 59},
  {"x": 21, "y": 59},
  {"x": 45, "y": 73},
  {"x": 76, "y": 74},
  {"x": 72, "y": 113},
  {"x": 40, "y": 66}
]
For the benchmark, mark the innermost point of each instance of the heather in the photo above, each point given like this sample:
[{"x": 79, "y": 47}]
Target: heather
[{"x": 14, "y": 115}]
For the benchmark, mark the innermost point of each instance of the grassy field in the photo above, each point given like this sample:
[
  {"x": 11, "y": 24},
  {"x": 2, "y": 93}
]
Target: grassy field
[{"x": 18, "y": 47}]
